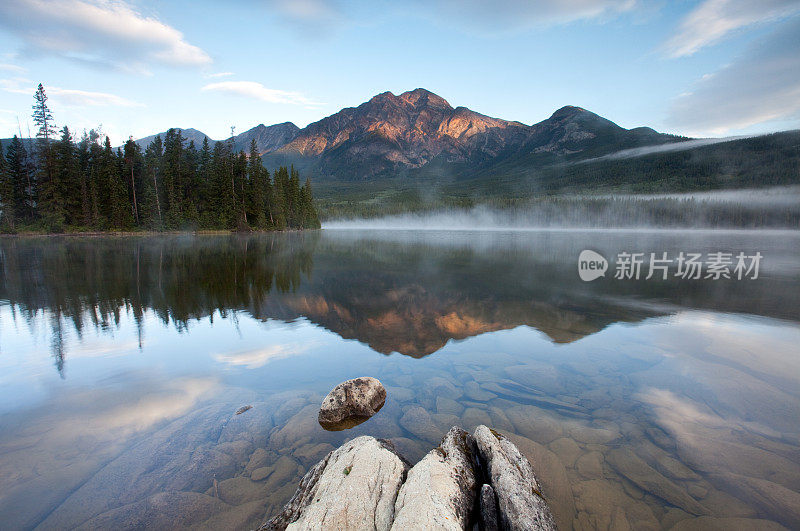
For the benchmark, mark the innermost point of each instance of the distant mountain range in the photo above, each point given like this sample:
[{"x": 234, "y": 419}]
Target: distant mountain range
[
  {"x": 395, "y": 153},
  {"x": 268, "y": 138},
  {"x": 390, "y": 134}
]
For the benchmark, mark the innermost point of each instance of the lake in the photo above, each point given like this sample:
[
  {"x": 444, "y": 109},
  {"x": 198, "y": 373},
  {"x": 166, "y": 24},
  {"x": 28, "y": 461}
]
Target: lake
[{"x": 650, "y": 404}]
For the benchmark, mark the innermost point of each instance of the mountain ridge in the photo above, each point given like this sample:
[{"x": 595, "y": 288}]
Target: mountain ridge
[
  {"x": 390, "y": 133},
  {"x": 412, "y": 150}
]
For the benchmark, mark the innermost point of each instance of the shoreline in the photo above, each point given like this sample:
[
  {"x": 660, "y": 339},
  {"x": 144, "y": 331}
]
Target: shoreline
[{"x": 210, "y": 232}]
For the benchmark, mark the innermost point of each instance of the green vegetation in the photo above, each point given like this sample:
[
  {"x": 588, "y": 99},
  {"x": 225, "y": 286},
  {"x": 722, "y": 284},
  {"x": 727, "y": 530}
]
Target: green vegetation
[
  {"x": 769, "y": 160},
  {"x": 67, "y": 186}
]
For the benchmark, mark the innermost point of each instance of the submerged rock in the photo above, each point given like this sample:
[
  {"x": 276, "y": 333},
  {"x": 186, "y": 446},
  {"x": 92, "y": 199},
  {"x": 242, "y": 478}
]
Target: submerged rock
[
  {"x": 520, "y": 504},
  {"x": 440, "y": 490},
  {"x": 709, "y": 523},
  {"x": 353, "y": 487},
  {"x": 648, "y": 479},
  {"x": 350, "y": 403},
  {"x": 419, "y": 422},
  {"x": 243, "y": 409}
]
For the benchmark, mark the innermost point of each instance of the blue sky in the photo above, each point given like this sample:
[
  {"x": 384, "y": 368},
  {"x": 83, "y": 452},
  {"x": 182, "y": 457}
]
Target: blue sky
[{"x": 701, "y": 68}]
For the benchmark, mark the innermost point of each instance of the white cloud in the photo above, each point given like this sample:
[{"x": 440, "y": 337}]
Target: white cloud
[
  {"x": 86, "y": 98},
  {"x": 219, "y": 74},
  {"x": 712, "y": 20},
  {"x": 98, "y": 32},
  {"x": 307, "y": 11},
  {"x": 760, "y": 86},
  {"x": 319, "y": 17},
  {"x": 11, "y": 68},
  {"x": 504, "y": 15},
  {"x": 255, "y": 90},
  {"x": 68, "y": 97}
]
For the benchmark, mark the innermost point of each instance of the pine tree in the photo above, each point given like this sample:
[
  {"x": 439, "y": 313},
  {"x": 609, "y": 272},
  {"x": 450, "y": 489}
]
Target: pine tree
[
  {"x": 308, "y": 213},
  {"x": 278, "y": 207},
  {"x": 259, "y": 182},
  {"x": 151, "y": 200},
  {"x": 172, "y": 177},
  {"x": 203, "y": 183},
  {"x": 67, "y": 177},
  {"x": 7, "y": 205},
  {"x": 240, "y": 184},
  {"x": 189, "y": 191},
  {"x": 97, "y": 184},
  {"x": 133, "y": 173},
  {"x": 84, "y": 161},
  {"x": 116, "y": 207},
  {"x": 50, "y": 204},
  {"x": 18, "y": 174},
  {"x": 224, "y": 202},
  {"x": 42, "y": 117}
]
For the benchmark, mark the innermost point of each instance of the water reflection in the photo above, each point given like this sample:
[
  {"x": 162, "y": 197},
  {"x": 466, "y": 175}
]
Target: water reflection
[
  {"x": 648, "y": 404},
  {"x": 397, "y": 292}
]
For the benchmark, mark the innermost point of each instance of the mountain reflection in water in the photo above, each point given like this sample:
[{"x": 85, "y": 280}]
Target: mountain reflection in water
[
  {"x": 157, "y": 341},
  {"x": 399, "y": 292}
]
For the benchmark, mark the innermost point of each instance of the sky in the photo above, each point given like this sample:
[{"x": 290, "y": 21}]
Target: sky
[{"x": 707, "y": 68}]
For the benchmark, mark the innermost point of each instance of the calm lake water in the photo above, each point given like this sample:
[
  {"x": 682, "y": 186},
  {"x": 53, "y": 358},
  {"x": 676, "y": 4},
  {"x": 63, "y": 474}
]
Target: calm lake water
[{"x": 649, "y": 404}]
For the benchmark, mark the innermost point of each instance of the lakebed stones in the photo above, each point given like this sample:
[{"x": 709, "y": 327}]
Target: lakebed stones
[
  {"x": 350, "y": 403},
  {"x": 365, "y": 484},
  {"x": 648, "y": 479}
]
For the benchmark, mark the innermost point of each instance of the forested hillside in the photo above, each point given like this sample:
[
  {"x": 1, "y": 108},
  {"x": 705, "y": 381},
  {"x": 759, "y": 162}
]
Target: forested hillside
[{"x": 58, "y": 184}]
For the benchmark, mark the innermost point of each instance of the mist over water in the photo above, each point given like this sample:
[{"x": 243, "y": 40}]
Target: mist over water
[{"x": 776, "y": 207}]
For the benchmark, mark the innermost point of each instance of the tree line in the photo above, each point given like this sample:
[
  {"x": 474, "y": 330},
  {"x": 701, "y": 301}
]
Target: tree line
[{"x": 58, "y": 184}]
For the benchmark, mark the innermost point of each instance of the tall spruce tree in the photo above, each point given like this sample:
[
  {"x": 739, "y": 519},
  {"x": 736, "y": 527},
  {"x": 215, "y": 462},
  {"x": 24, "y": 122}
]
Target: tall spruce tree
[
  {"x": 134, "y": 163},
  {"x": 49, "y": 203},
  {"x": 7, "y": 206},
  {"x": 67, "y": 177},
  {"x": 116, "y": 209},
  {"x": 18, "y": 169},
  {"x": 84, "y": 160},
  {"x": 259, "y": 184},
  {"x": 151, "y": 200}
]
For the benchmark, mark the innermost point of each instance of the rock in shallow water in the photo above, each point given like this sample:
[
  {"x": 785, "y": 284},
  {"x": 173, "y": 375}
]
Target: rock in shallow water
[
  {"x": 353, "y": 487},
  {"x": 350, "y": 403},
  {"x": 365, "y": 484},
  {"x": 520, "y": 504},
  {"x": 440, "y": 490}
]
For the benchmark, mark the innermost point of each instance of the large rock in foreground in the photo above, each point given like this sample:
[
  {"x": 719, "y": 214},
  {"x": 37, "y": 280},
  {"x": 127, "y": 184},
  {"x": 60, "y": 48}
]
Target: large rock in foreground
[
  {"x": 366, "y": 485},
  {"x": 352, "y": 402},
  {"x": 353, "y": 487},
  {"x": 520, "y": 505},
  {"x": 440, "y": 490}
]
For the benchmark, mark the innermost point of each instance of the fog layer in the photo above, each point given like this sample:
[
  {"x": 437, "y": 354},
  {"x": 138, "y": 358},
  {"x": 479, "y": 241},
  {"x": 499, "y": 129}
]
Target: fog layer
[{"x": 777, "y": 207}]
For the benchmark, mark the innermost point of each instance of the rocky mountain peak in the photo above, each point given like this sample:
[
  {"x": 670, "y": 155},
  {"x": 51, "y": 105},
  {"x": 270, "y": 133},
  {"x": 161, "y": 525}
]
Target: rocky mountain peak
[
  {"x": 570, "y": 111},
  {"x": 420, "y": 97}
]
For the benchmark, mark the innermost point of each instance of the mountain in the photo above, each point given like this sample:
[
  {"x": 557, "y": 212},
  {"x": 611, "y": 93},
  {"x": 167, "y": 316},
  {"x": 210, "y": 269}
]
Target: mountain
[
  {"x": 268, "y": 138},
  {"x": 391, "y": 135},
  {"x": 415, "y": 150},
  {"x": 191, "y": 135}
]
